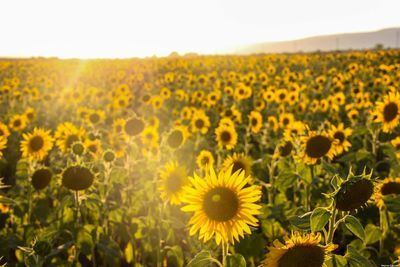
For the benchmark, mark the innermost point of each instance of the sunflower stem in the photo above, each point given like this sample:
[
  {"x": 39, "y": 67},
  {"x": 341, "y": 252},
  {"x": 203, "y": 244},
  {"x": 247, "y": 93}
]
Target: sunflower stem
[
  {"x": 383, "y": 228},
  {"x": 271, "y": 183},
  {"x": 332, "y": 228},
  {"x": 223, "y": 254}
]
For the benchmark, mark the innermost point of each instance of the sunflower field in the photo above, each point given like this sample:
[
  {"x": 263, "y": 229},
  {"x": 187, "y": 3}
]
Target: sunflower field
[{"x": 263, "y": 160}]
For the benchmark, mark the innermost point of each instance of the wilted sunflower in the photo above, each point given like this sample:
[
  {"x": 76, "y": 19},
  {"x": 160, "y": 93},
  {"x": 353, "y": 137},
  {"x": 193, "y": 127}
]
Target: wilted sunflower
[
  {"x": 134, "y": 126},
  {"x": 386, "y": 187},
  {"x": 340, "y": 134},
  {"x": 222, "y": 206},
  {"x": 205, "y": 159},
  {"x": 255, "y": 119},
  {"x": 77, "y": 177},
  {"x": 316, "y": 146},
  {"x": 37, "y": 144},
  {"x": 226, "y": 137},
  {"x": 41, "y": 178},
  {"x": 17, "y": 122},
  {"x": 298, "y": 251},
  {"x": 172, "y": 179},
  {"x": 239, "y": 161},
  {"x": 389, "y": 111},
  {"x": 354, "y": 193}
]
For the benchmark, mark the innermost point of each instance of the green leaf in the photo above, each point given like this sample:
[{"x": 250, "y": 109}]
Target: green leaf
[
  {"x": 336, "y": 261},
  {"x": 302, "y": 222},
  {"x": 355, "y": 259},
  {"x": 354, "y": 226},
  {"x": 285, "y": 180},
  {"x": 362, "y": 154},
  {"x": 84, "y": 241},
  {"x": 6, "y": 200},
  {"x": 175, "y": 256},
  {"x": 373, "y": 234},
  {"x": 202, "y": 259},
  {"x": 235, "y": 260},
  {"x": 319, "y": 218}
]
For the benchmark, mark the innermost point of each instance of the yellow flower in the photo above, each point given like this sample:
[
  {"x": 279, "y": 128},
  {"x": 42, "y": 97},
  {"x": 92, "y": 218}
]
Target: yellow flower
[
  {"x": 316, "y": 146},
  {"x": 205, "y": 159},
  {"x": 239, "y": 161},
  {"x": 17, "y": 122},
  {"x": 340, "y": 134},
  {"x": 4, "y": 132},
  {"x": 386, "y": 187},
  {"x": 3, "y": 145},
  {"x": 69, "y": 136},
  {"x": 149, "y": 135},
  {"x": 226, "y": 136},
  {"x": 200, "y": 122},
  {"x": 36, "y": 145},
  {"x": 223, "y": 207},
  {"x": 298, "y": 251},
  {"x": 255, "y": 119},
  {"x": 172, "y": 180},
  {"x": 389, "y": 111}
]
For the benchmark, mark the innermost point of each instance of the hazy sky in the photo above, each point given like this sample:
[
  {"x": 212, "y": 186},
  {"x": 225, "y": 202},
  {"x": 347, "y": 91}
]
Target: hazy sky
[{"x": 117, "y": 28}]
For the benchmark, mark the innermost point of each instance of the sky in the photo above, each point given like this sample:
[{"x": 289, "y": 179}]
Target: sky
[{"x": 133, "y": 28}]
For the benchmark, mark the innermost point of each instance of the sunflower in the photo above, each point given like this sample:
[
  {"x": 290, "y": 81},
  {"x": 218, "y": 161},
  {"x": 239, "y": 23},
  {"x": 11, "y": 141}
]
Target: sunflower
[
  {"x": 134, "y": 126},
  {"x": 255, "y": 119},
  {"x": 226, "y": 136},
  {"x": 69, "y": 136},
  {"x": 177, "y": 136},
  {"x": 200, "y": 122},
  {"x": 95, "y": 116},
  {"x": 354, "y": 193},
  {"x": 298, "y": 251},
  {"x": 36, "y": 145},
  {"x": 340, "y": 134},
  {"x": 30, "y": 114},
  {"x": 17, "y": 122},
  {"x": 283, "y": 150},
  {"x": 4, "y": 132},
  {"x": 149, "y": 135},
  {"x": 77, "y": 177},
  {"x": 93, "y": 147},
  {"x": 386, "y": 187},
  {"x": 239, "y": 161},
  {"x": 222, "y": 206},
  {"x": 285, "y": 120},
  {"x": 3, "y": 145},
  {"x": 273, "y": 123},
  {"x": 41, "y": 178},
  {"x": 205, "y": 159},
  {"x": 172, "y": 179},
  {"x": 316, "y": 146},
  {"x": 396, "y": 144},
  {"x": 389, "y": 111}
]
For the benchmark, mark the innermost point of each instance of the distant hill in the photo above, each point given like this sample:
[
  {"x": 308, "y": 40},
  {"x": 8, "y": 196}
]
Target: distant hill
[{"x": 389, "y": 38}]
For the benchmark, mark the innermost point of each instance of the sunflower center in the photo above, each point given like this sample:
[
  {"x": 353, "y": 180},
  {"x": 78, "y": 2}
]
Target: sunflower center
[
  {"x": 254, "y": 121},
  {"x": 36, "y": 143},
  {"x": 303, "y": 256},
  {"x": 134, "y": 126},
  {"x": 175, "y": 139},
  {"x": 390, "y": 111},
  {"x": 1, "y": 132},
  {"x": 225, "y": 136},
  {"x": 317, "y": 146},
  {"x": 72, "y": 139},
  {"x": 220, "y": 204},
  {"x": 285, "y": 121},
  {"x": 238, "y": 165},
  {"x": 199, "y": 123},
  {"x": 17, "y": 123},
  {"x": 174, "y": 183},
  {"x": 353, "y": 195},
  {"x": 340, "y": 136},
  {"x": 205, "y": 160},
  {"x": 94, "y": 118},
  {"x": 286, "y": 149},
  {"x": 390, "y": 188}
]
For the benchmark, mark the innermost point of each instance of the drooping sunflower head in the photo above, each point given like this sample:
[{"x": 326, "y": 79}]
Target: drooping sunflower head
[
  {"x": 222, "y": 206},
  {"x": 77, "y": 177},
  {"x": 37, "y": 144},
  {"x": 226, "y": 137},
  {"x": 298, "y": 251},
  {"x": 205, "y": 159},
  {"x": 316, "y": 146},
  {"x": 134, "y": 126},
  {"x": 41, "y": 178},
  {"x": 173, "y": 178},
  {"x": 389, "y": 111},
  {"x": 354, "y": 192},
  {"x": 386, "y": 187},
  {"x": 240, "y": 162}
]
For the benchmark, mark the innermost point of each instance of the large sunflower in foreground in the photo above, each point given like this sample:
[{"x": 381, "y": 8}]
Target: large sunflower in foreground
[
  {"x": 172, "y": 179},
  {"x": 37, "y": 144},
  {"x": 316, "y": 146},
  {"x": 298, "y": 251},
  {"x": 222, "y": 206},
  {"x": 389, "y": 111},
  {"x": 386, "y": 187}
]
